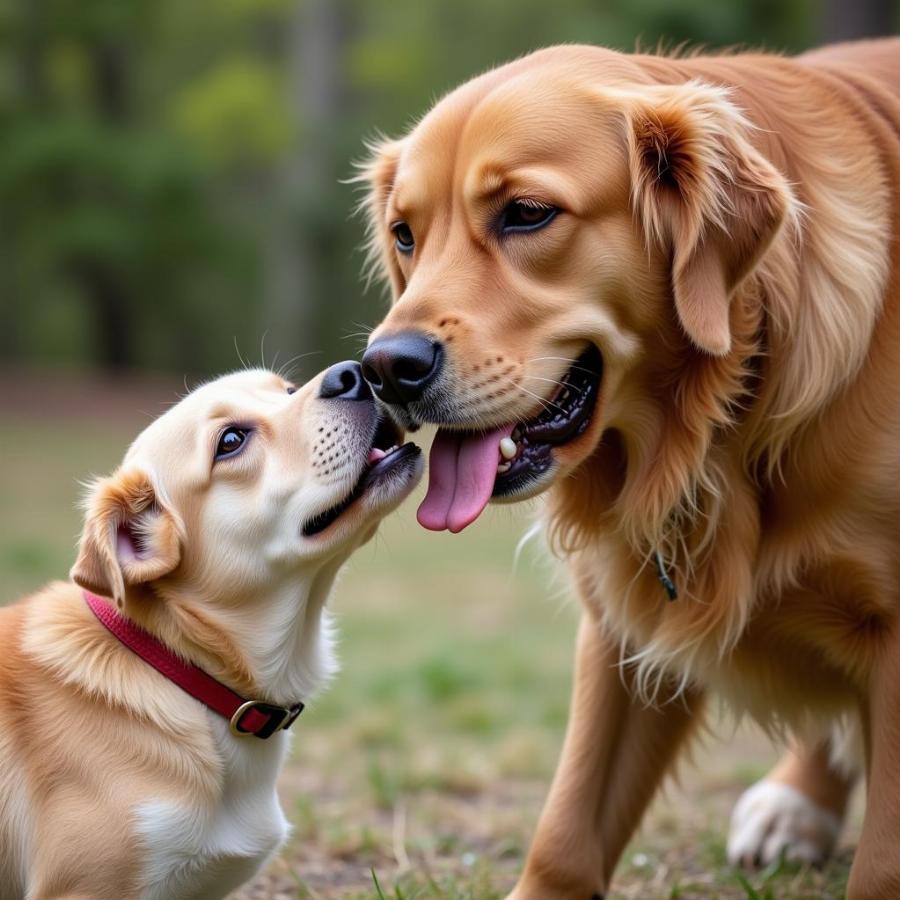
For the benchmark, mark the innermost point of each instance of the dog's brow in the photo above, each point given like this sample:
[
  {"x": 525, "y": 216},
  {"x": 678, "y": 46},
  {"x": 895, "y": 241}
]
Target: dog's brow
[
  {"x": 489, "y": 180},
  {"x": 407, "y": 196},
  {"x": 492, "y": 181},
  {"x": 220, "y": 411},
  {"x": 484, "y": 184}
]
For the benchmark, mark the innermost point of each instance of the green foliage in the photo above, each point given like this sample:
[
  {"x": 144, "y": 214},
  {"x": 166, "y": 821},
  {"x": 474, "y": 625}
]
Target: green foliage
[
  {"x": 234, "y": 114},
  {"x": 164, "y": 164}
]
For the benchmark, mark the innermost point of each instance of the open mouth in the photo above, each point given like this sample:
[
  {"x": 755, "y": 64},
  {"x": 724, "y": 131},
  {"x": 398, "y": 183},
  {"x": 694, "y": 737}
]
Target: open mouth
[
  {"x": 468, "y": 468},
  {"x": 565, "y": 417},
  {"x": 386, "y": 457}
]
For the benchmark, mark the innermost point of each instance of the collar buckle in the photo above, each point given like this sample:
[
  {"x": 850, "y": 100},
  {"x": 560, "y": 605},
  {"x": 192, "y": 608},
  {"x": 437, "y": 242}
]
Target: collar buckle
[
  {"x": 274, "y": 718},
  {"x": 664, "y": 578}
]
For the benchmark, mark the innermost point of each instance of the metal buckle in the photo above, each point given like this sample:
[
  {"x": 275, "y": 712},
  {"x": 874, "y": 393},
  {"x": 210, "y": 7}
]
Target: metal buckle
[
  {"x": 664, "y": 578},
  {"x": 287, "y": 718}
]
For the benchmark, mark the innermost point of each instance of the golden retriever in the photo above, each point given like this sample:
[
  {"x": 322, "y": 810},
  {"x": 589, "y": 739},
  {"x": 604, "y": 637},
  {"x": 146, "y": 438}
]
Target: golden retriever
[
  {"x": 666, "y": 289},
  {"x": 220, "y": 535}
]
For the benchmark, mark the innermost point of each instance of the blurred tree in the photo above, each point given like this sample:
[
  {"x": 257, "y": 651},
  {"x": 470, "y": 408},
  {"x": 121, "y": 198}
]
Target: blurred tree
[
  {"x": 170, "y": 172},
  {"x": 297, "y": 282},
  {"x": 844, "y": 21},
  {"x": 106, "y": 215}
]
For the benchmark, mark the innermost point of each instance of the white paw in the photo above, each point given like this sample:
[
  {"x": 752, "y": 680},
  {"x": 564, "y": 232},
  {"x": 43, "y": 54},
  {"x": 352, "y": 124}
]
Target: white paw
[{"x": 770, "y": 818}]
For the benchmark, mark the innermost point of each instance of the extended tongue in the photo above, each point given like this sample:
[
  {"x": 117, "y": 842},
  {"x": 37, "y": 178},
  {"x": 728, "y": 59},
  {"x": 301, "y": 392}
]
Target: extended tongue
[
  {"x": 435, "y": 508},
  {"x": 461, "y": 472}
]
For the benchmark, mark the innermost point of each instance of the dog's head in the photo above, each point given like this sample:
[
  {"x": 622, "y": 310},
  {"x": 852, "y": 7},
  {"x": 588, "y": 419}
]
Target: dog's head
[
  {"x": 559, "y": 247},
  {"x": 243, "y": 483}
]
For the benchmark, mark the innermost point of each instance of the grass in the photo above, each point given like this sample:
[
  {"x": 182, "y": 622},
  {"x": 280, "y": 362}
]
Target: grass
[{"x": 421, "y": 772}]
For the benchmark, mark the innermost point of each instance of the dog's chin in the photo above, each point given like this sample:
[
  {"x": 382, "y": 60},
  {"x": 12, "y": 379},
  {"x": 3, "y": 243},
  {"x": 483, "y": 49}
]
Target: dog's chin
[
  {"x": 386, "y": 485},
  {"x": 384, "y": 479},
  {"x": 527, "y": 486},
  {"x": 560, "y": 463}
]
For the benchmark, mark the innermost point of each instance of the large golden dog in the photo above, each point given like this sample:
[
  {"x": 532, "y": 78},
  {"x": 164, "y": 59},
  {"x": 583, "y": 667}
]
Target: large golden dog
[{"x": 667, "y": 290}]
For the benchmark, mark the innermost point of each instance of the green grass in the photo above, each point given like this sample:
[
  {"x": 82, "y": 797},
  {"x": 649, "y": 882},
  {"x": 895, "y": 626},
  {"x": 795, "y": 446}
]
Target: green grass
[
  {"x": 39, "y": 494},
  {"x": 425, "y": 764}
]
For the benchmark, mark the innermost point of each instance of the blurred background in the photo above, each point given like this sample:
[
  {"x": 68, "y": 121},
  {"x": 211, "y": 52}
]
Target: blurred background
[
  {"x": 171, "y": 172},
  {"x": 172, "y": 201}
]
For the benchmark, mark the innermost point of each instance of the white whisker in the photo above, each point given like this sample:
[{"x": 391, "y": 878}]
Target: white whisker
[
  {"x": 244, "y": 364},
  {"x": 564, "y": 359},
  {"x": 287, "y": 367},
  {"x": 546, "y": 404},
  {"x": 557, "y": 383}
]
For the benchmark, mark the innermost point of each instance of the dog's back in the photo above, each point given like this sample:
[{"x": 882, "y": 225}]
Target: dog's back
[{"x": 878, "y": 59}]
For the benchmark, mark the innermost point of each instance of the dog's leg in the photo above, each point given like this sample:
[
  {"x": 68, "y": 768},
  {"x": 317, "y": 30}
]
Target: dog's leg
[
  {"x": 876, "y": 867},
  {"x": 797, "y": 809},
  {"x": 615, "y": 754},
  {"x": 66, "y": 896}
]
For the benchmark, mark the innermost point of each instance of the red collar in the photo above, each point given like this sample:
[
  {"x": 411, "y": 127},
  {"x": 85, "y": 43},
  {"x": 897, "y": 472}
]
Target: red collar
[{"x": 244, "y": 716}]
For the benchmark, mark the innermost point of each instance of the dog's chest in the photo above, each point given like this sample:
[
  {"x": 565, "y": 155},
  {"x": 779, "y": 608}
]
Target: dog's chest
[
  {"x": 196, "y": 851},
  {"x": 16, "y": 825}
]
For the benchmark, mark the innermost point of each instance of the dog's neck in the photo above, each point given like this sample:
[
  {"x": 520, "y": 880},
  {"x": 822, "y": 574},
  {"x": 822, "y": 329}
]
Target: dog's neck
[
  {"x": 274, "y": 645},
  {"x": 287, "y": 637}
]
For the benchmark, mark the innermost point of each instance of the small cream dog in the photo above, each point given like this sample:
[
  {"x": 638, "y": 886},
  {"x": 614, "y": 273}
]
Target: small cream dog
[{"x": 220, "y": 535}]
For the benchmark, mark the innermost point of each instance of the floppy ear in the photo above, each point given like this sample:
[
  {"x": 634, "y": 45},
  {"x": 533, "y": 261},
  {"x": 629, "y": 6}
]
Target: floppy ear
[
  {"x": 376, "y": 175},
  {"x": 703, "y": 191},
  {"x": 128, "y": 537}
]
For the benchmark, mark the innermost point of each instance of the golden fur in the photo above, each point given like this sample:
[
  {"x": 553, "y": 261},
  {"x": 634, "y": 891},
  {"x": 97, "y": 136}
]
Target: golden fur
[
  {"x": 114, "y": 783},
  {"x": 729, "y": 241}
]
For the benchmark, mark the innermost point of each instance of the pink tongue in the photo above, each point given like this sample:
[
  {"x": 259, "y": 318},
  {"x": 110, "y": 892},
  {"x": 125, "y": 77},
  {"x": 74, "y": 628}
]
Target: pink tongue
[{"x": 461, "y": 472}]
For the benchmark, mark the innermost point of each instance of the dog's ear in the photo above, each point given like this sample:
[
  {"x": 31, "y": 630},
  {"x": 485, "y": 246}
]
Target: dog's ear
[
  {"x": 376, "y": 175},
  {"x": 707, "y": 195},
  {"x": 128, "y": 537}
]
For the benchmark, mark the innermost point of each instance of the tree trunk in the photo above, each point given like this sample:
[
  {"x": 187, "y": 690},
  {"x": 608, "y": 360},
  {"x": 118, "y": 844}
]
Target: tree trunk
[
  {"x": 105, "y": 287},
  {"x": 33, "y": 89},
  {"x": 112, "y": 313},
  {"x": 845, "y": 20},
  {"x": 315, "y": 39}
]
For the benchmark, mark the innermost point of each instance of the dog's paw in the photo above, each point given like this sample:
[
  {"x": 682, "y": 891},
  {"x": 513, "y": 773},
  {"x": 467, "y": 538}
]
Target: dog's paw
[{"x": 772, "y": 818}]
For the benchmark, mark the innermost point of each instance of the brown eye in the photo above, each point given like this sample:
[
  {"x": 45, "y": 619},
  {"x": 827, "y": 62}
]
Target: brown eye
[
  {"x": 403, "y": 237},
  {"x": 232, "y": 440},
  {"x": 526, "y": 215}
]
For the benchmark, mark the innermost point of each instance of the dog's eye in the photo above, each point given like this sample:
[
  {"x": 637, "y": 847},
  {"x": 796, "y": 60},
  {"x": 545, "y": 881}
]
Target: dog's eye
[
  {"x": 231, "y": 441},
  {"x": 403, "y": 237},
  {"x": 526, "y": 215}
]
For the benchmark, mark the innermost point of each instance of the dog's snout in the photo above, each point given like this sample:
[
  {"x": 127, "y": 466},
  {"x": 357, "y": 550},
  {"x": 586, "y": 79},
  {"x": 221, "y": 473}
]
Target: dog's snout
[
  {"x": 401, "y": 366},
  {"x": 344, "y": 381}
]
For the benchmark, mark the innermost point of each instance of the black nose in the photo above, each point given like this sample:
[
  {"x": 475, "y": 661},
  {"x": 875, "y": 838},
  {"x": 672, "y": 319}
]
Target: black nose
[
  {"x": 344, "y": 381},
  {"x": 401, "y": 366}
]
